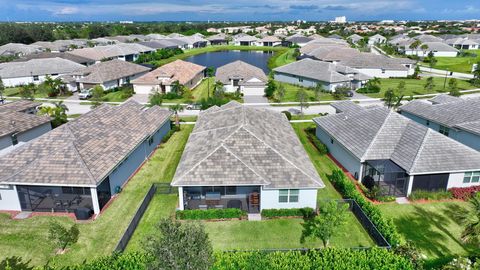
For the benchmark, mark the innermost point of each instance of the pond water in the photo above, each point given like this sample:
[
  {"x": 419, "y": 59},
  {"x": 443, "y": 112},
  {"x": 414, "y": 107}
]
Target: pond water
[{"x": 220, "y": 58}]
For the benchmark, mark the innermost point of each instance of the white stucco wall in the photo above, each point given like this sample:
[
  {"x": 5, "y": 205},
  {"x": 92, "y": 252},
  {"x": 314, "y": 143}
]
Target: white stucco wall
[
  {"x": 377, "y": 72},
  {"x": 269, "y": 199},
  {"x": 12, "y": 82},
  {"x": 435, "y": 53},
  {"x": 9, "y": 198},
  {"x": 456, "y": 180}
]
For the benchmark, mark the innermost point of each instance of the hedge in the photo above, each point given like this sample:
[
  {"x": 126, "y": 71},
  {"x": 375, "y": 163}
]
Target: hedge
[
  {"x": 348, "y": 190},
  {"x": 321, "y": 147},
  {"x": 329, "y": 258},
  {"x": 429, "y": 195},
  {"x": 117, "y": 261},
  {"x": 210, "y": 214},
  {"x": 305, "y": 212},
  {"x": 464, "y": 193}
]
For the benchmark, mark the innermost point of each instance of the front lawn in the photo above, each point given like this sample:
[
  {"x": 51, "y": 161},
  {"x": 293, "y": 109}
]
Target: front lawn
[
  {"x": 15, "y": 92},
  {"x": 29, "y": 238},
  {"x": 279, "y": 234},
  {"x": 433, "y": 227},
  {"x": 291, "y": 93},
  {"x": 416, "y": 87},
  {"x": 458, "y": 64}
]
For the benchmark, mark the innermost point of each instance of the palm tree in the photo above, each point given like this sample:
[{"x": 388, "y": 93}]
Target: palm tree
[
  {"x": 176, "y": 109},
  {"x": 415, "y": 45},
  {"x": 210, "y": 72},
  {"x": 424, "y": 48},
  {"x": 471, "y": 233},
  {"x": 2, "y": 88}
]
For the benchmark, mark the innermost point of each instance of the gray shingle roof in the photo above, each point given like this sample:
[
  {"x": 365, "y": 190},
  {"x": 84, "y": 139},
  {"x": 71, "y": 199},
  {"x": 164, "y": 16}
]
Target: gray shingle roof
[
  {"x": 313, "y": 69},
  {"x": 376, "y": 134},
  {"x": 239, "y": 70},
  {"x": 333, "y": 53},
  {"x": 14, "y": 121},
  {"x": 109, "y": 71},
  {"x": 370, "y": 60},
  {"x": 437, "y": 46},
  {"x": 38, "y": 67},
  {"x": 441, "y": 99},
  {"x": 345, "y": 106},
  {"x": 86, "y": 149},
  {"x": 239, "y": 145},
  {"x": 75, "y": 58},
  {"x": 463, "y": 114},
  {"x": 19, "y": 105},
  {"x": 19, "y": 48}
]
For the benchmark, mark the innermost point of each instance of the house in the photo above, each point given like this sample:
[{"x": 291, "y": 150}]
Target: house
[
  {"x": 244, "y": 157},
  {"x": 244, "y": 40},
  {"x": 243, "y": 77},
  {"x": 308, "y": 73},
  {"x": 194, "y": 41},
  {"x": 91, "y": 160},
  {"x": 270, "y": 41},
  {"x": 335, "y": 36},
  {"x": 332, "y": 54},
  {"x": 453, "y": 117},
  {"x": 180, "y": 43},
  {"x": 159, "y": 44},
  {"x": 102, "y": 41},
  {"x": 297, "y": 39},
  {"x": 280, "y": 31},
  {"x": 122, "y": 51},
  {"x": 162, "y": 78},
  {"x": 18, "y": 49},
  {"x": 108, "y": 74},
  {"x": 45, "y": 55},
  {"x": 354, "y": 38},
  {"x": 35, "y": 70},
  {"x": 379, "y": 66},
  {"x": 218, "y": 39},
  {"x": 155, "y": 36},
  {"x": 439, "y": 49},
  {"x": 462, "y": 43},
  {"x": 399, "y": 154},
  {"x": 19, "y": 124},
  {"x": 376, "y": 39}
]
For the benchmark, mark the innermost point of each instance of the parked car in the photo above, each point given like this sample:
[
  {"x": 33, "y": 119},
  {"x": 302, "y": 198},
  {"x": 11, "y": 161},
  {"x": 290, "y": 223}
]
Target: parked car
[
  {"x": 193, "y": 106},
  {"x": 85, "y": 94},
  {"x": 349, "y": 93}
]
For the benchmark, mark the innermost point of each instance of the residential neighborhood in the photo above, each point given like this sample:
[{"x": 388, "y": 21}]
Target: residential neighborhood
[{"x": 325, "y": 139}]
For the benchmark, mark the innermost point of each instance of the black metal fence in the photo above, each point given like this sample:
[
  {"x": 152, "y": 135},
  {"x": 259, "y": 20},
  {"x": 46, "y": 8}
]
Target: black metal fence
[{"x": 122, "y": 244}]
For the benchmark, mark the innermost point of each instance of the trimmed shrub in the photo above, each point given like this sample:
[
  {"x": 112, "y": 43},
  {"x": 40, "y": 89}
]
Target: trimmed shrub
[
  {"x": 464, "y": 193},
  {"x": 321, "y": 147},
  {"x": 348, "y": 190},
  {"x": 369, "y": 90},
  {"x": 329, "y": 258},
  {"x": 288, "y": 115},
  {"x": 429, "y": 195},
  {"x": 198, "y": 214},
  {"x": 116, "y": 261},
  {"x": 170, "y": 133},
  {"x": 386, "y": 198},
  {"x": 305, "y": 212}
]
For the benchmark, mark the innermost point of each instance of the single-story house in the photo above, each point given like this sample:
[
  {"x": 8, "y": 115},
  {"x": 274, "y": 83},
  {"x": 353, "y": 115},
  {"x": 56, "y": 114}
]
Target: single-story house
[
  {"x": 91, "y": 159},
  {"x": 122, "y": 51},
  {"x": 162, "y": 78},
  {"x": 401, "y": 155},
  {"x": 297, "y": 39},
  {"x": 159, "y": 44},
  {"x": 35, "y": 70},
  {"x": 109, "y": 74},
  {"x": 155, "y": 36},
  {"x": 194, "y": 41},
  {"x": 244, "y": 157},
  {"x": 308, "y": 73},
  {"x": 241, "y": 76},
  {"x": 244, "y": 40},
  {"x": 379, "y": 66},
  {"x": 462, "y": 43},
  {"x": 270, "y": 41},
  {"x": 354, "y": 38},
  {"x": 453, "y": 117},
  {"x": 18, "y": 49},
  {"x": 376, "y": 39},
  {"x": 332, "y": 54},
  {"x": 18, "y": 124},
  {"x": 43, "y": 55},
  {"x": 218, "y": 39},
  {"x": 439, "y": 49}
]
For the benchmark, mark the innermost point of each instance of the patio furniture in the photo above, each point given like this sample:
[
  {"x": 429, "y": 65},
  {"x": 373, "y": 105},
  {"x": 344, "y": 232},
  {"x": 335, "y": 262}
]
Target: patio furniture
[
  {"x": 234, "y": 204},
  {"x": 203, "y": 207},
  {"x": 219, "y": 206},
  {"x": 212, "y": 198},
  {"x": 83, "y": 213}
]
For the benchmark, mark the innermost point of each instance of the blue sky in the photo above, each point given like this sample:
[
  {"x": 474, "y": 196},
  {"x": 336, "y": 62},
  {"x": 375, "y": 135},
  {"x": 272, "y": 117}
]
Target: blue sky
[{"x": 237, "y": 10}]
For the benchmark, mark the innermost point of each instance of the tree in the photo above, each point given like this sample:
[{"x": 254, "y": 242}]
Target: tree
[
  {"x": 210, "y": 72},
  {"x": 415, "y": 45},
  {"x": 177, "y": 88},
  {"x": 416, "y": 72},
  {"x": 424, "y": 48},
  {"x": 280, "y": 92},
  {"x": 15, "y": 263},
  {"x": 453, "y": 87},
  {"x": 97, "y": 95},
  {"x": 176, "y": 109},
  {"x": 318, "y": 90},
  {"x": 302, "y": 98},
  {"x": 62, "y": 236},
  {"x": 471, "y": 233},
  {"x": 27, "y": 91},
  {"x": 389, "y": 98},
  {"x": 155, "y": 97},
  {"x": 53, "y": 86},
  {"x": 174, "y": 246},
  {"x": 432, "y": 62},
  {"x": 2, "y": 90},
  {"x": 401, "y": 88},
  {"x": 58, "y": 113},
  {"x": 270, "y": 89},
  {"x": 324, "y": 226},
  {"x": 429, "y": 84}
]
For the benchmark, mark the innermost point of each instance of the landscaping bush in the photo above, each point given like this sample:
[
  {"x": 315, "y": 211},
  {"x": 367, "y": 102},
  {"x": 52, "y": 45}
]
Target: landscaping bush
[
  {"x": 169, "y": 134},
  {"x": 329, "y": 258},
  {"x": 116, "y": 261},
  {"x": 171, "y": 95},
  {"x": 348, "y": 190},
  {"x": 429, "y": 195},
  {"x": 464, "y": 193},
  {"x": 321, "y": 147},
  {"x": 210, "y": 214},
  {"x": 386, "y": 198},
  {"x": 369, "y": 90},
  {"x": 305, "y": 212},
  {"x": 288, "y": 115}
]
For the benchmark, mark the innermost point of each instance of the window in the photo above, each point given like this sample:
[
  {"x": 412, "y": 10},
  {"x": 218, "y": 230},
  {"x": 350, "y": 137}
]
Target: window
[
  {"x": 150, "y": 140},
  {"x": 428, "y": 122},
  {"x": 35, "y": 77},
  {"x": 444, "y": 130},
  {"x": 471, "y": 177},
  {"x": 288, "y": 195},
  {"x": 383, "y": 71},
  {"x": 14, "y": 139},
  {"x": 331, "y": 140},
  {"x": 300, "y": 79},
  {"x": 231, "y": 190}
]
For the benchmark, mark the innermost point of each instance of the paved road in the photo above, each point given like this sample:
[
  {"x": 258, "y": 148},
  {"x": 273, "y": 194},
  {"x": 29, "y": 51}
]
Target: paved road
[
  {"x": 255, "y": 99},
  {"x": 457, "y": 75}
]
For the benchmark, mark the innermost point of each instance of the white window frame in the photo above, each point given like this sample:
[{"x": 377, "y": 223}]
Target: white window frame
[
  {"x": 444, "y": 130},
  {"x": 471, "y": 177},
  {"x": 292, "y": 195}
]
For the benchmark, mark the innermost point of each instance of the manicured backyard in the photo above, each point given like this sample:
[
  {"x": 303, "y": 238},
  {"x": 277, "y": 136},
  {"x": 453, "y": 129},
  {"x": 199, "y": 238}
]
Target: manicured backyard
[
  {"x": 29, "y": 238},
  {"x": 458, "y": 64},
  {"x": 280, "y": 59},
  {"x": 291, "y": 93},
  {"x": 416, "y": 87}
]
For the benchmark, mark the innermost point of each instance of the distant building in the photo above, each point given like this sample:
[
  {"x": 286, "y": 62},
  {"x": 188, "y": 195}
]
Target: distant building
[{"x": 340, "y": 19}]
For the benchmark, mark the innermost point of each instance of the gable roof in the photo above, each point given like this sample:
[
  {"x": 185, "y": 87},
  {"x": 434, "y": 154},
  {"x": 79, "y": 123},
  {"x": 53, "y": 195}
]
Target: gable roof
[
  {"x": 13, "y": 120},
  {"x": 45, "y": 55},
  {"x": 444, "y": 98},
  {"x": 109, "y": 71},
  {"x": 346, "y": 106},
  {"x": 19, "y": 105},
  {"x": 239, "y": 70},
  {"x": 238, "y": 145},
  {"x": 313, "y": 69},
  {"x": 19, "y": 48},
  {"x": 178, "y": 70},
  {"x": 370, "y": 60},
  {"x": 378, "y": 133},
  {"x": 462, "y": 113},
  {"x": 333, "y": 53},
  {"x": 38, "y": 67},
  {"x": 86, "y": 149}
]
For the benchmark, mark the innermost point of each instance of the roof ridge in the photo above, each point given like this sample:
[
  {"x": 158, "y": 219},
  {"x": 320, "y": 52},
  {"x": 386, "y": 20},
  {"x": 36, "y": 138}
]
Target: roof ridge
[
  {"x": 202, "y": 131},
  {"x": 77, "y": 153},
  {"x": 376, "y": 136},
  {"x": 282, "y": 156},
  {"x": 417, "y": 156},
  {"x": 239, "y": 159}
]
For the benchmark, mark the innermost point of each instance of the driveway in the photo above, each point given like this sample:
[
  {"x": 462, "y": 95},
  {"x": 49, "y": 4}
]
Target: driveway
[{"x": 254, "y": 99}]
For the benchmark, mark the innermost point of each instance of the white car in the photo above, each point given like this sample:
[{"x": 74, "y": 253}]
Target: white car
[{"x": 85, "y": 94}]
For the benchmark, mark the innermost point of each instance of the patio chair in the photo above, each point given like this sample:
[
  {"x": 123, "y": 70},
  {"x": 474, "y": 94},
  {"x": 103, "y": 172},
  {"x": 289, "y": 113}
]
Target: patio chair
[{"x": 234, "y": 204}]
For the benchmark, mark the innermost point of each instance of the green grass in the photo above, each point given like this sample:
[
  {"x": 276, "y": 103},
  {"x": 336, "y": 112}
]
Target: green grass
[
  {"x": 458, "y": 64},
  {"x": 198, "y": 93},
  {"x": 117, "y": 96},
  {"x": 291, "y": 93},
  {"x": 15, "y": 92},
  {"x": 192, "y": 52},
  {"x": 188, "y": 118},
  {"x": 28, "y": 238},
  {"x": 282, "y": 58},
  {"x": 280, "y": 233},
  {"x": 434, "y": 228},
  {"x": 304, "y": 116},
  {"x": 74, "y": 115},
  {"x": 416, "y": 87}
]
